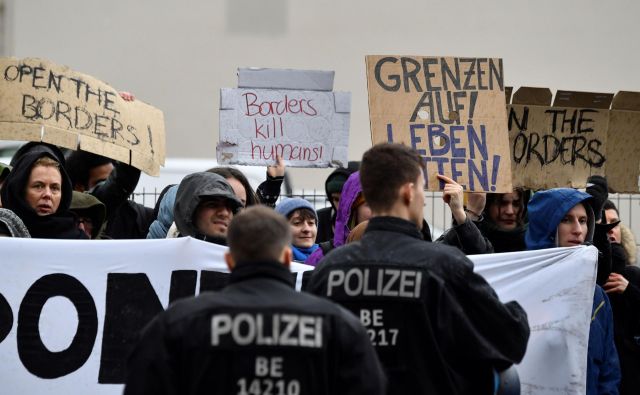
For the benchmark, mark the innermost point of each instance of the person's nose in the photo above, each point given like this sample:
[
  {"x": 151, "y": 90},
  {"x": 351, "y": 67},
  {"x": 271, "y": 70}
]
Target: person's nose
[
  {"x": 509, "y": 209},
  {"x": 47, "y": 193},
  {"x": 81, "y": 226},
  {"x": 576, "y": 228}
]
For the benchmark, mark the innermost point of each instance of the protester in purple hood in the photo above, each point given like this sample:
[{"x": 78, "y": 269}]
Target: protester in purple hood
[{"x": 352, "y": 210}]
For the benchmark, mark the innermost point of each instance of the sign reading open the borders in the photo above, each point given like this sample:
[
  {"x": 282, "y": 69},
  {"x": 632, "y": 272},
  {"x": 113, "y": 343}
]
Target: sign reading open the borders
[{"x": 42, "y": 101}]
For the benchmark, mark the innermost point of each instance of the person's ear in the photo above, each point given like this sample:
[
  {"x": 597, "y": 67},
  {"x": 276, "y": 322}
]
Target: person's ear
[
  {"x": 231, "y": 264},
  {"x": 286, "y": 257},
  {"x": 406, "y": 193}
]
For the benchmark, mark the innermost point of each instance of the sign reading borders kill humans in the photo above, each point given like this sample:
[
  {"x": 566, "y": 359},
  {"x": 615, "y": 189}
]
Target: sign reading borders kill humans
[
  {"x": 291, "y": 113},
  {"x": 42, "y": 101},
  {"x": 451, "y": 110}
]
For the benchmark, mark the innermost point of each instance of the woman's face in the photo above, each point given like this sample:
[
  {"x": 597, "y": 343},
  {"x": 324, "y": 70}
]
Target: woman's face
[
  {"x": 573, "y": 228},
  {"x": 504, "y": 211},
  {"x": 303, "y": 228},
  {"x": 44, "y": 190}
]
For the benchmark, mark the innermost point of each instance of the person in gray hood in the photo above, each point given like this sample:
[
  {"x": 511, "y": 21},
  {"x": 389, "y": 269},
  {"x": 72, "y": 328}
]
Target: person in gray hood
[
  {"x": 11, "y": 225},
  {"x": 205, "y": 205}
]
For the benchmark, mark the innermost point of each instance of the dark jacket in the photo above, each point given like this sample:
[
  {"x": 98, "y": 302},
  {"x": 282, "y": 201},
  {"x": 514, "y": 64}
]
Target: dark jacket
[
  {"x": 438, "y": 327},
  {"x": 193, "y": 189},
  {"x": 546, "y": 210},
  {"x": 467, "y": 238},
  {"x": 320, "y": 348},
  {"x": 502, "y": 240},
  {"x": 126, "y": 219},
  {"x": 626, "y": 322},
  {"x": 59, "y": 225},
  {"x": 327, "y": 215}
]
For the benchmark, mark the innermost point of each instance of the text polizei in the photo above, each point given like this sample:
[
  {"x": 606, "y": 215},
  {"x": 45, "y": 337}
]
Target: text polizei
[
  {"x": 375, "y": 282},
  {"x": 253, "y": 329}
]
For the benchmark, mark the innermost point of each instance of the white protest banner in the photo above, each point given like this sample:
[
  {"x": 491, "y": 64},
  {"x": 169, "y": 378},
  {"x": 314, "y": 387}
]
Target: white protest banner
[
  {"x": 290, "y": 113},
  {"x": 555, "y": 287},
  {"x": 70, "y": 310},
  {"x": 43, "y": 101}
]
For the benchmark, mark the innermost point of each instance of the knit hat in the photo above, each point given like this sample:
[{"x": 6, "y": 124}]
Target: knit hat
[
  {"x": 335, "y": 184},
  {"x": 289, "y": 205}
]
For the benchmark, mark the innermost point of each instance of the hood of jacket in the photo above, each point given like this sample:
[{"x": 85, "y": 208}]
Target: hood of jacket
[
  {"x": 194, "y": 189},
  {"x": 546, "y": 209},
  {"x": 60, "y": 224},
  {"x": 352, "y": 188},
  {"x": 13, "y": 223},
  {"x": 87, "y": 205},
  {"x": 339, "y": 175}
]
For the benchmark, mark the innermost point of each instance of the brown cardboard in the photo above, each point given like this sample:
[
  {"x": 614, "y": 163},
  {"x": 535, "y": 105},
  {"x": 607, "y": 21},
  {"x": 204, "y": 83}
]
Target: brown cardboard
[
  {"x": 565, "y": 155},
  {"x": 623, "y": 143},
  {"x": 532, "y": 96},
  {"x": 583, "y": 99},
  {"x": 42, "y": 101},
  {"x": 412, "y": 108}
]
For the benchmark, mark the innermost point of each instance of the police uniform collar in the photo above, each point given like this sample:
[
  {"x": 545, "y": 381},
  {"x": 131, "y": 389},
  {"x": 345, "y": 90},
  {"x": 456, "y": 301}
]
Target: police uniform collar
[
  {"x": 394, "y": 224},
  {"x": 273, "y": 269}
]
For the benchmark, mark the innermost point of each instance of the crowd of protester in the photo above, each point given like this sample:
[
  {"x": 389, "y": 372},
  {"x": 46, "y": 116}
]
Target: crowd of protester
[{"x": 375, "y": 222}]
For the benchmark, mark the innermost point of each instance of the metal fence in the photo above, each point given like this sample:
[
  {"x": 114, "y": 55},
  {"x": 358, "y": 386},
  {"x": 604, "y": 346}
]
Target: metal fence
[{"x": 436, "y": 212}]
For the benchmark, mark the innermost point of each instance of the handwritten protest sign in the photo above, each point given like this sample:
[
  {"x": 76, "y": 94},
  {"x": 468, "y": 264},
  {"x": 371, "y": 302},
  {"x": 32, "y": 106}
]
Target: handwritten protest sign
[
  {"x": 308, "y": 128},
  {"x": 560, "y": 145},
  {"x": 451, "y": 110},
  {"x": 623, "y": 143},
  {"x": 42, "y": 101}
]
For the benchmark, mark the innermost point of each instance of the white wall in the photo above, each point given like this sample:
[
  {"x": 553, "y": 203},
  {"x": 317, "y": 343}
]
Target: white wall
[{"x": 177, "y": 54}]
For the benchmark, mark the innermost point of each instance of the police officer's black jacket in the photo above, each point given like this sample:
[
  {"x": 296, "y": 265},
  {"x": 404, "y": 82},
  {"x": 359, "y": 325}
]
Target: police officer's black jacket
[
  {"x": 438, "y": 327},
  {"x": 258, "y": 335}
]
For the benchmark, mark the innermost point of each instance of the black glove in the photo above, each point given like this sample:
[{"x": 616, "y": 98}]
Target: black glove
[{"x": 598, "y": 189}]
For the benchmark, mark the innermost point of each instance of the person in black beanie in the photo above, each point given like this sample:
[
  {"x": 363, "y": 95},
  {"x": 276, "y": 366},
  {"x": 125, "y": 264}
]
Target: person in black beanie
[{"x": 333, "y": 187}]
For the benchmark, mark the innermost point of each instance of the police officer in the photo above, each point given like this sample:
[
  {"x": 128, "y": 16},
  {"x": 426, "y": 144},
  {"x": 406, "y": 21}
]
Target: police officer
[
  {"x": 438, "y": 327},
  {"x": 258, "y": 335}
]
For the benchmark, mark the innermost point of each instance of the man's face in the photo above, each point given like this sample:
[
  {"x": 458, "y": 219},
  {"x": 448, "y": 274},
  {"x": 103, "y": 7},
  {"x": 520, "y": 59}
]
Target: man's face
[
  {"x": 303, "y": 228},
  {"x": 213, "y": 216},
  {"x": 99, "y": 174},
  {"x": 504, "y": 212},
  {"x": 614, "y": 234},
  {"x": 572, "y": 230},
  {"x": 416, "y": 210},
  {"x": 44, "y": 190}
]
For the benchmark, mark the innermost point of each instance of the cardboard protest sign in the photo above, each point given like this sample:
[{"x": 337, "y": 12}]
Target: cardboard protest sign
[
  {"x": 42, "y": 101},
  {"x": 290, "y": 113},
  {"x": 623, "y": 143},
  {"x": 68, "y": 320},
  {"x": 451, "y": 110},
  {"x": 559, "y": 145}
]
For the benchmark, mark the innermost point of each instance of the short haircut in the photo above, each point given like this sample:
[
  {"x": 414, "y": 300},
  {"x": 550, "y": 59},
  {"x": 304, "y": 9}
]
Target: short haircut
[
  {"x": 384, "y": 169},
  {"x": 80, "y": 163},
  {"x": 46, "y": 161},
  {"x": 305, "y": 214},
  {"x": 609, "y": 205},
  {"x": 231, "y": 172},
  {"x": 258, "y": 234}
]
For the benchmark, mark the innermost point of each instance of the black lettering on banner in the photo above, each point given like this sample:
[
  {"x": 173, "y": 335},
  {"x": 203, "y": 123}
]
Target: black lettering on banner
[
  {"x": 212, "y": 281},
  {"x": 131, "y": 304},
  {"x": 183, "y": 284},
  {"x": 34, "y": 355},
  {"x": 6, "y": 318},
  {"x": 395, "y": 78}
]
